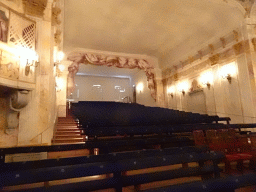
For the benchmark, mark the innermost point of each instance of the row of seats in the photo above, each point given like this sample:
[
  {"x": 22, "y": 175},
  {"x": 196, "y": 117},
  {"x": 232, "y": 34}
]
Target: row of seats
[
  {"x": 110, "y": 171},
  {"x": 236, "y": 147},
  {"x": 101, "y": 166},
  {"x": 107, "y": 114}
]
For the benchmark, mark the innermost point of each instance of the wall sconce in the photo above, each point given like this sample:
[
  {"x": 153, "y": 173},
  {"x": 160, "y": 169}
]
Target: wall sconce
[
  {"x": 28, "y": 58},
  {"x": 207, "y": 79},
  {"x": 171, "y": 91},
  {"x": 58, "y": 83},
  {"x": 228, "y": 71},
  {"x": 182, "y": 87},
  {"x": 60, "y": 56},
  {"x": 59, "y": 68},
  {"x": 140, "y": 87}
]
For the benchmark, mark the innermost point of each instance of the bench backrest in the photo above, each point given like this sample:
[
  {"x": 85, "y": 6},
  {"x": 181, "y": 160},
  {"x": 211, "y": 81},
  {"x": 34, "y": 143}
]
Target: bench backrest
[{"x": 54, "y": 169}]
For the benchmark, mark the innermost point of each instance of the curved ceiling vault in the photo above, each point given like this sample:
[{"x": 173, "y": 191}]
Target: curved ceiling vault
[{"x": 151, "y": 27}]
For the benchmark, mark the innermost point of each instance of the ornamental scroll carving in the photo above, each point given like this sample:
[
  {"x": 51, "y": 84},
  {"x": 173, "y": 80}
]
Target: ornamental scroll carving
[{"x": 109, "y": 60}]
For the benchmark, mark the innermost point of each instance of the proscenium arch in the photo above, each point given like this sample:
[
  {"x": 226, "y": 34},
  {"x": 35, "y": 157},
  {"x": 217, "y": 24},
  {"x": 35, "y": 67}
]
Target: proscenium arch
[{"x": 81, "y": 57}]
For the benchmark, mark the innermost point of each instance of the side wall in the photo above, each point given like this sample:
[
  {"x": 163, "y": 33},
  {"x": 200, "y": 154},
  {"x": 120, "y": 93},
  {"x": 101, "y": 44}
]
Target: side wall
[{"x": 234, "y": 98}]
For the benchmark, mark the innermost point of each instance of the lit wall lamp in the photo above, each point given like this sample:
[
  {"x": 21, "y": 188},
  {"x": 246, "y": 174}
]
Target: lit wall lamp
[
  {"x": 228, "y": 71},
  {"x": 182, "y": 87},
  {"x": 140, "y": 87},
  {"x": 207, "y": 79},
  {"x": 171, "y": 91},
  {"x": 28, "y": 58},
  {"x": 58, "y": 83},
  {"x": 57, "y": 63},
  {"x": 59, "y": 57}
]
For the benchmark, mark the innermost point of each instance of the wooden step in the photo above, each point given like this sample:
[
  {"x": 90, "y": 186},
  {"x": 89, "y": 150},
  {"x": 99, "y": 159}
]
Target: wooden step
[
  {"x": 77, "y": 136},
  {"x": 65, "y": 132},
  {"x": 67, "y": 124},
  {"x": 73, "y": 140},
  {"x": 61, "y": 126},
  {"x": 67, "y": 129},
  {"x": 67, "y": 143}
]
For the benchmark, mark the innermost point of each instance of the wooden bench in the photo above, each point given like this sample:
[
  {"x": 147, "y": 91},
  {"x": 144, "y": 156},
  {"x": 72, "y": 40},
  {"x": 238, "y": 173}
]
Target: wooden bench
[
  {"x": 227, "y": 184},
  {"x": 19, "y": 173},
  {"x": 104, "y": 145}
]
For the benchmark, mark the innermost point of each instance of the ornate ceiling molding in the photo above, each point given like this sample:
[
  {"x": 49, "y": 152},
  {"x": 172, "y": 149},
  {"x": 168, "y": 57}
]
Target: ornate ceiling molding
[
  {"x": 109, "y": 60},
  {"x": 212, "y": 52},
  {"x": 34, "y": 7}
]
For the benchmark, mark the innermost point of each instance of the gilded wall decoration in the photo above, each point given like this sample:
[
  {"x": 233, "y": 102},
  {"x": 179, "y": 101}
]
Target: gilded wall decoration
[
  {"x": 34, "y": 7},
  {"x": 227, "y": 40},
  {"x": 223, "y": 42},
  {"x": 195, "y": 86},
  {"x": 238, "y": 48},
  {"x": 254, "y": 43},
  {"x": 214, "y": 59},
  {"x": 9, "y": 66},
  {"x": 109, "y": 60},
  {"x": 55, "y": 13},
  {"x": 236, "y": 37},
  {"x": 57, "y": 37},
  {"x": 211, "y": 48}
]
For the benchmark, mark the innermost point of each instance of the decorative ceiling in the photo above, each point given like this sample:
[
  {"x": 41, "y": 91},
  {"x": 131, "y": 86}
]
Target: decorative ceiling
[{"x": 151, "y": 27}]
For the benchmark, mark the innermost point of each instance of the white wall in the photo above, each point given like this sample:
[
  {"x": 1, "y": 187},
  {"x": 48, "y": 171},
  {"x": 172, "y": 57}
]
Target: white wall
[
  {"x": 224, "y": 99},
  {"x": 110, "y": 89}
]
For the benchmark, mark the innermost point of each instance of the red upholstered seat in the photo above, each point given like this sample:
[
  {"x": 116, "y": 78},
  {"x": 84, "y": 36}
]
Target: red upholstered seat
[{"x": 235, "y": 147}]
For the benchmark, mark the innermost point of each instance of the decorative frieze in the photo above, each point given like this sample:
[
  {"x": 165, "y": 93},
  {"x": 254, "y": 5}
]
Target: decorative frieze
[
  {"x": 223, "y": 42},
  {"x": 236, "y": 37},
  {"x": 214, "y": 59},
  {"x": 238, "y": 48},
  {"x": 211, "y": 48},
  {"x": 34, "y": 7},
  {"x": 191, "y": 59},
  {"x": 200, "y": 53}
]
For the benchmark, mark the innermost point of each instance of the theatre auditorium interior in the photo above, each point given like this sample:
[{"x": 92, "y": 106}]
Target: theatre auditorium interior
[{"x": 128, "y": 95}]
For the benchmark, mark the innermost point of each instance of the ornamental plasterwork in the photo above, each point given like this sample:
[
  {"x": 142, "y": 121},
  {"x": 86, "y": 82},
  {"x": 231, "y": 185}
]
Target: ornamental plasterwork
[
  {"x": 238, "y": 48},
  {"x": 109, "y": 60},
  {"x": 220, "y": 47},
  {"x": 57, "y": 37},
  {"x": 214, "y": 59},
  {"x": 34, "y": 7},
  {"x": 55, "y": 13},
  {"x": 220, "y": 57},
  {"x": 195, "y": 86}
]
